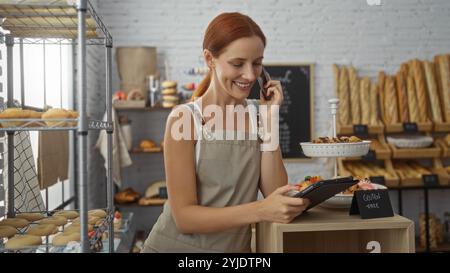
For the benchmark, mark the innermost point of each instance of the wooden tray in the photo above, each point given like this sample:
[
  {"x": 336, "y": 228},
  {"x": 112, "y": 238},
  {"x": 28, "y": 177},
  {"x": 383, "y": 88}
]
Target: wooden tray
[
  {"x": 442, "y": 127},
  {"x": 431, "y": 152}
]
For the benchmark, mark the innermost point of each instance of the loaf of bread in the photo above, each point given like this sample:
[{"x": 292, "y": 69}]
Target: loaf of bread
[
  {"x": 390, "y": 103},
  {"x": 421, "y": 90},
  {"x": 354, "y": 96},
  {"x": 435, "y": 105},
  {"x": 404, "y": 69},
  {"x": 412, "y": 101},
  {"x": 444, "y": 72},
  {"x": 381, "y": 94},
  {"x": 437, "y": 74},
  {"x": 402, "y": 98},
  {"x": 365, "y": 100},
  {"x": 374, "y": 112},
  {"x": 341, "y": 82}
]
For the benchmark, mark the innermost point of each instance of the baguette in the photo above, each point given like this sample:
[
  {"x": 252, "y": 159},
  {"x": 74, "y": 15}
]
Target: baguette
[
  {"x": 365, "y": 100},
  {"x": 381, "y": 94},
  {"x": 341, "y": 82},
  {"x": 432, "y": 92},
  {"x": 412, "y": 101},
  {"x": 390, "y": 103},
  {"x": 354, "y": 96},
  {"x": 444, "y": 71},
  {"x": 402, "y": 98},
  {"x": 404, "y": 69},
  {"x": 421, "y": 90},
  {"x": 437, "y": 73},
  {"x": 374, "y": 112}
]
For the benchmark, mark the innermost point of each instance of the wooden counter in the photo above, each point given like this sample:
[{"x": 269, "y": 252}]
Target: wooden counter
[{"x": 324, "y": 230}]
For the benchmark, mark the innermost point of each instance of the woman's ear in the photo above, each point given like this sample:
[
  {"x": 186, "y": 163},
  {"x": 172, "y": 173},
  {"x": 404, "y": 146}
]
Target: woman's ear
[{"x": 209, "y": 58}]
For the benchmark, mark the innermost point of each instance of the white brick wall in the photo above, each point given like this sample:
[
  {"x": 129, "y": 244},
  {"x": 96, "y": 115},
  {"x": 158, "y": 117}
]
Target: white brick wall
[{"x": 323, "y": 32}]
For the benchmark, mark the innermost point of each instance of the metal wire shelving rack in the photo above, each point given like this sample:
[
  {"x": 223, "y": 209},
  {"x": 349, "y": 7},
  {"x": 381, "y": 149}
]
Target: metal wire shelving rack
[{"x": 61, "y": 22}]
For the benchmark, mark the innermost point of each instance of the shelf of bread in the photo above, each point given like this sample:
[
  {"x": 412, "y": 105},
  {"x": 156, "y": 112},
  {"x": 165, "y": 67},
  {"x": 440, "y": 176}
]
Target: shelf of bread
[
  {"x": 433, "y": 151},
  {"x": 400, "y": 127},
  {"x": 445, "y": 145},
  {"x": 18, "y": 119},
  {"x": 412, "y": 174},
  {"x": 379, "y": 147},
  {"x": 362, "y": 170}
]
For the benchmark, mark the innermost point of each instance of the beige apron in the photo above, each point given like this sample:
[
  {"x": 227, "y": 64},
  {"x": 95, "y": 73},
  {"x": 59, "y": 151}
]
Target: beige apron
[{"x": 228, "y": 174}]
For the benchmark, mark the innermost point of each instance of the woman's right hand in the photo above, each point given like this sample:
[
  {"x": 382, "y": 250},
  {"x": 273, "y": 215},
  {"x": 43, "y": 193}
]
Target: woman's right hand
[{"x": 278, "y": 207}]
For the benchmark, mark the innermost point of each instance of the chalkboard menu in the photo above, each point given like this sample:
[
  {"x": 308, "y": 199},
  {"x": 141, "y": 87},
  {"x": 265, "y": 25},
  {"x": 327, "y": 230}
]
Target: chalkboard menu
[{"x": 296, "y": 112}]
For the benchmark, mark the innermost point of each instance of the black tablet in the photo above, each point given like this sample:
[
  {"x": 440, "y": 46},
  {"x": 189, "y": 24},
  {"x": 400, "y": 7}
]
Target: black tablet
[{"x": 325, "y": 189}]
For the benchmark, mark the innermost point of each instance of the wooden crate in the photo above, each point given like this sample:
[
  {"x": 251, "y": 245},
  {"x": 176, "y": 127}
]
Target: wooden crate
[
  {"x": 437, "y": 168},
  {"x": 330, "y": 231},
  {"x": 432, "y": 152},
  {"x": 442, "y": 127},
  {"x": 348, "y": 129},
  {"x": 445, "y": 148},
  {"x": 380, "y": 147},
  {"x": 391, "y": 181}
]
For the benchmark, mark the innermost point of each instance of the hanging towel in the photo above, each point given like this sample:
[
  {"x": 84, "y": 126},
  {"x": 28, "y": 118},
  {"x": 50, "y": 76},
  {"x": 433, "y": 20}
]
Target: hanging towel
[
  {"x": 27, "y": 195},
  {"x": 120, "y": 156},
  {"x": 53, "y": 157}
]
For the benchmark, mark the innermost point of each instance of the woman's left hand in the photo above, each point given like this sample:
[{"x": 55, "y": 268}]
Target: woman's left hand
[{"x": 274, "y": 93}]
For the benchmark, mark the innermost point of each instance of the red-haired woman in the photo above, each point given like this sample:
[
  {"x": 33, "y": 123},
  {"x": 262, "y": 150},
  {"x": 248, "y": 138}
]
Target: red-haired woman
[{"x": 213, "y": 183}]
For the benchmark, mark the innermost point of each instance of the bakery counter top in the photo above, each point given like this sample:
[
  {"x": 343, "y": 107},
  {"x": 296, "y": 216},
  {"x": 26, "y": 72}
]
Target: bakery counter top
[{"x": 326, "y": 230}]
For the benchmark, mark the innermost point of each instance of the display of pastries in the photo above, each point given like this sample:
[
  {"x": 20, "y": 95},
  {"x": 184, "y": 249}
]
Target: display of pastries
[
  {"x": 18, "y": 113},
  {"x": 410, "y": 170},
  {"x": 361, "y": 170},
  {"x": 169, "y": 94},
  {"x": 341, "y": 139},
  {"x": 127, "y": 195}
]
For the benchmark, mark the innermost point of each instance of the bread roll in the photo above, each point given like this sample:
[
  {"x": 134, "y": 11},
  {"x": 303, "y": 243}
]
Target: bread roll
[
  {"x": 354, "y": 96},
  {"x": 374, "y": 112},
  {"x": 390, "y": 103},
  {"x": 421, "y": 90},
  {"x": 432, "y": 92},
  {"x": 365, "y": 100},
  {"x": 444, "y": 71},
  {"x": 402, "y": 98},
  {"x": 381, "y": 94},
  {"x": 344, "y": 98},
  {"x": 412, "y": 101}
]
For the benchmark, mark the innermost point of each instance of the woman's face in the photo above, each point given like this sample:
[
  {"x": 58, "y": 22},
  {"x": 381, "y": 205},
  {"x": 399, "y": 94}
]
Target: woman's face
[{"x": 238, "y": 67}]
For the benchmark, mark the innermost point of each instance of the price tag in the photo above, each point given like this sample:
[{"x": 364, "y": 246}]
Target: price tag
[
  {"x": 163, "y": 192},
  {"x": 410, "y": 127},
  {"x": 371, "y": 204},
  {"x": 430, "y": 180},
  {"x": 361, "y": 130},
  {"x": 370, "y": 156},
  {"x": 378, "y": 180}
]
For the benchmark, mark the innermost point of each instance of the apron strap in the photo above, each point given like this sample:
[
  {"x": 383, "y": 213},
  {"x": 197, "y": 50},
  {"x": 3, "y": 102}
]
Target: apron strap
[{"x": 192, "y": 106}]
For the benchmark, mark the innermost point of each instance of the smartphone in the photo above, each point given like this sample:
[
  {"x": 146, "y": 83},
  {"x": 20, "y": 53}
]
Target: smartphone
[{"x": 262, "y": 80}]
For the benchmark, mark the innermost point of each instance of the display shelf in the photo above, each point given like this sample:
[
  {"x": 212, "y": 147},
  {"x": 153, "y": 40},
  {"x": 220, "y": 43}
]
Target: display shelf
[
  {"x": 379, "y": 147},
  {"x": 390, "y": 177},
  {"x": 136, "y": 204},
  {"x": 399, "y": 128},
  {"x": 415, "y": 179},
  {"x": 433, "y": 151},
  {"x": 58, "y": 125},
  {"x": 145, "y": 109},
  {"x": 445, "y": 148},
  {"x": 349, "y": 129},
  {"x": 441, "y": 127},
  {"x": 156, "y": 150}
]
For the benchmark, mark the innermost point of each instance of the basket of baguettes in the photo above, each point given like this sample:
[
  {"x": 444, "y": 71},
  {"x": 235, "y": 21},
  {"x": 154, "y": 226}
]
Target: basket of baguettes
[
  {"x": 419, "y": 92},
  {"x": 54, "y": 117},
  {"x": 336, "y": 147}
]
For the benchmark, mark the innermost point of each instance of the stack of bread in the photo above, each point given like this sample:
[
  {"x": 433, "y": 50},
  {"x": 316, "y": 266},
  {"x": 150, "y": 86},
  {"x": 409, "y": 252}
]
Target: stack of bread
[
  {"x": 410, "y": 170},
  {"x": 418, "y": 92},
  {"x": 169, "y": 94},
  {"x": 52, "y": 117},
  {"x": 362, "y": 170},
  {"x": 436, "y": 230}
]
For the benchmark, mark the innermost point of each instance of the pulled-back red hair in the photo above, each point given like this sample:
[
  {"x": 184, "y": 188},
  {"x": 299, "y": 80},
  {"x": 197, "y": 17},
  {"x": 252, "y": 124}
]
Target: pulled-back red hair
[{"x": 222, "y": 31}]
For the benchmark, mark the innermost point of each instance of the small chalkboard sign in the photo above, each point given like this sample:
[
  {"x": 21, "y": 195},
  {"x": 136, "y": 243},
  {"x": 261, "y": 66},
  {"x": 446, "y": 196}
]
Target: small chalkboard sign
[
  {"x": 430, "y": 180},
  {"x": 370, "y": 156},
  {"x": 371, "y": 204},
  {"x": 296, "y": 112},
  {"x": 361, "y": 130},
  {"x": 162, "y": 192},
  {"x": 410, "y": 127}
]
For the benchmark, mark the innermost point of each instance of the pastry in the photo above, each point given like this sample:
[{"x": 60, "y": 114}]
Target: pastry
[
  {"x": 30, "y": 216},
  {"x": 444, "y": 71},
  {"x": 381, "y": 94},
  {"x": 412, "y": 101},
  {"x": 402, "y": 98},
  {"x": 43, "y": 230},
  {"x": 23, "y": 241},
  {"x": 91, "y": 220},
  {"x": 97, "y": 213},
  {"x": 55, "y": 220},
  {"x": 169, "y": 91},
  {"x": 135, "y": 94},
  {"x": 354, "y": 96},
  {"x": 421, "y": 89},
  {"x": 365, "y": 100},
  {"x": 169, "y": 84},
  {"x": 13, "y": 113},
  {"x": 170, "y": 98},
  {"x": 436, "y": 114},
  {"x": 374, "y": 111},
  {"x": 341, "y": 139},
  {"x": 344, "y": 97},
  {"x": 128, "y": 195},
  {"x": 69, "y": 214},
  {"x": 147, "y": 144},
  {"x": 390, "y": 103},
  {"x": 56, "y": 113},
  {"x": 75, "y": 227},
  {"x": 7, "y": 232},
  {"x": 64, "y": 238},
  {"x": 14, "y": 222},
  {"x": 168, "y": 104}
]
